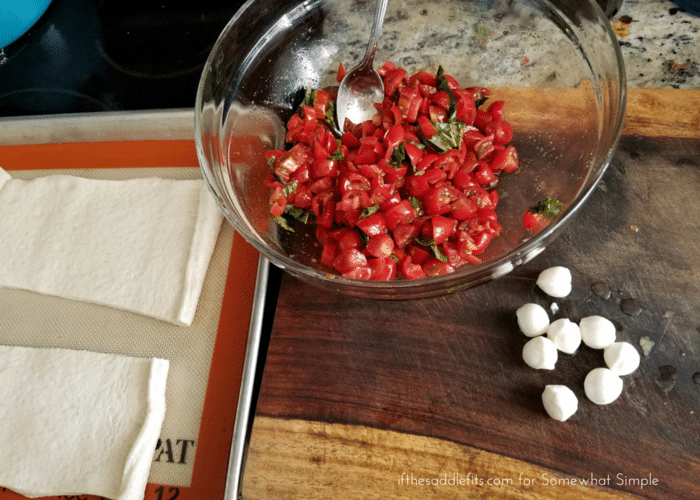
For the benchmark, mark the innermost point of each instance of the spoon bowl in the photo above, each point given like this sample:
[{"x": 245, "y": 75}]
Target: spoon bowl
[{"x": 362, "y": 86}]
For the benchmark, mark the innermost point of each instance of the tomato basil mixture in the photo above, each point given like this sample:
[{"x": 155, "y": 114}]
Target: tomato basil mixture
[{"x": 410, "y": 193}]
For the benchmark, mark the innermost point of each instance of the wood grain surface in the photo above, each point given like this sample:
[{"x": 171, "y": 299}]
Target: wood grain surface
[{"x": 356, "y": 393}]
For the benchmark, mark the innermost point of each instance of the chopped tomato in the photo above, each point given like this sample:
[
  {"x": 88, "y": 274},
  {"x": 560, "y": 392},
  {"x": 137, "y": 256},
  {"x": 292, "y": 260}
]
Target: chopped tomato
[
  {"x": 383, "y": 268},
  {"x": 278, "y": 201},
  {"x": 411, "y": 270},
  {"x": 349, "y": 259},
  {"x": 401, "y": 213},
  {"x": 436, "y": 267},
  {"x": 341, "y": 73},
  {"x": 381, "y": 245},
  {"x": 373, "y": 224}
]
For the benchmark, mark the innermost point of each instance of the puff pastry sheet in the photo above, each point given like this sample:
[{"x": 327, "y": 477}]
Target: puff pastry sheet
[
  {"x": 78, "y": 422},
  {"x": 141, "y": 245}
]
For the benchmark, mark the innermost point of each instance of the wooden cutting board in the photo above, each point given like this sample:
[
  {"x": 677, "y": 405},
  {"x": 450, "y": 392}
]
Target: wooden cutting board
[{"x": 431, "y": 399}]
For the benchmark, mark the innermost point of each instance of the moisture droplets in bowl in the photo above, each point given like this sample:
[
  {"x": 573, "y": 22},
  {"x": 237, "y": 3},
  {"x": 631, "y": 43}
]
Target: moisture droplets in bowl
[{"x": 556, "y": 65}]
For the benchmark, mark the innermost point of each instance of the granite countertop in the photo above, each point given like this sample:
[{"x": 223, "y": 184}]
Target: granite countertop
[{"x": 660, "y": 44}]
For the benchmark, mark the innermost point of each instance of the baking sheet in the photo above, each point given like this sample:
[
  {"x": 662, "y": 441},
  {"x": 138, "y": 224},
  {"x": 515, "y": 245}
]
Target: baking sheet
[{"x": 208, "y": 359}]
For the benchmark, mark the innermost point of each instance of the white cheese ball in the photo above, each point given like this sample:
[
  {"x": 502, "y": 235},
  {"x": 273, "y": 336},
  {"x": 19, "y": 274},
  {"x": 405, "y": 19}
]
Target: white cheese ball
[
  {"x": 559, "y": 402},
  {"x": 555, "y": 281},
  {"x": 597, "y": 332},
  {"x": 621, "y": 357},
  {"x": 602, "y": 386},
  {"x": 539, "y": 353},
  {"x": 565, "y": 334},
  {"x": 533, "y": 319}
]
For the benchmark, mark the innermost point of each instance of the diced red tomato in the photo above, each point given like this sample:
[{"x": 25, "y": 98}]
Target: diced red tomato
[
  {"x": 414, "y": 153},
  {"x": 341, "y": 73},
  {"x": 437, "y": 200},
  {"x": 329, "y": 252},
  {"x": 404, "y": 234},
  {"x": 530, "y": 220},
  {"x": 505, "y": 160},
  {"x": 393, "y": 79},
  {"x": 350, "y": 239},
  {"x": 412, "y": 270},
  {"x": 401, "y": 213},
  {"x": 495, "y": 109},
  {"x": 483, "y": 174},
  {"x": 349, "y": 259},
  {"x": 359, "y": 273},
  {"x": 278, "y": 201},
  {"x": 501, "y": 131},
  {"x": 383, "y": 268},
  {"x": 436, "y": 267},
  {"x": 394, "y": 136},
  {"x": 373, "y": 224},
  {"x": 381, "y": 245},
  {"x": 426, "y": 126},
  {"x": 442, "y": 228}
]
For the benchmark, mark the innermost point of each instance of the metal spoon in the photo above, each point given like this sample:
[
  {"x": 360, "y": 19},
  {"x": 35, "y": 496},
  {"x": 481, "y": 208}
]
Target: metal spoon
[{"x": 362, "y": 86}]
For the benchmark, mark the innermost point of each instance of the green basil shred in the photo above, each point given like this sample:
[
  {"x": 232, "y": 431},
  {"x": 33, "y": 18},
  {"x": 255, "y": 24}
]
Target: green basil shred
[
  {"x": 548, "y": 206},
  {"x": 369, "y": 211}
]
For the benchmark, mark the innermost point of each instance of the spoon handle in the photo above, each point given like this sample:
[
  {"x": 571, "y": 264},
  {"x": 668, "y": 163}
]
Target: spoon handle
[{"x": 377, "y": 23}]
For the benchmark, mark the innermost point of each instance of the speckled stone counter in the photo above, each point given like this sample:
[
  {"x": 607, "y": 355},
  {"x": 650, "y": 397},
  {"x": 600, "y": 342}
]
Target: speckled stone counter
[{"x": 660, "y": 44}]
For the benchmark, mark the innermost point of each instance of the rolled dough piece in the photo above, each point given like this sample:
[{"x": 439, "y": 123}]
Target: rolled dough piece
[
  {"x": 78, "y": 422},
  {"x": 142, "y": 245}
]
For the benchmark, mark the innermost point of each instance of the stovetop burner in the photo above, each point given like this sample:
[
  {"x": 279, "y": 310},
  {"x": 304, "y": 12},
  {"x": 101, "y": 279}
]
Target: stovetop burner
[{"x": 90, "y": 55}]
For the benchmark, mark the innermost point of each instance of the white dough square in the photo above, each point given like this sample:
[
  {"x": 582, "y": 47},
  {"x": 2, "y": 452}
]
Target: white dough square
[
  {"x": 141, "y": 245},
  {"x": 78, "y": 422}
]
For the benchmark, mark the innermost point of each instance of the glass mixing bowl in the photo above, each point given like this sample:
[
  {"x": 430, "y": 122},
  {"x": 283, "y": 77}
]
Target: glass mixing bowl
[{"x": 557, "y": 65}]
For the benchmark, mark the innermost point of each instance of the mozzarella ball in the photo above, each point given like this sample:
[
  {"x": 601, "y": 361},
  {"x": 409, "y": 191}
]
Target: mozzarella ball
[
  {"x": 532, "y": 319},
  {"x": 539, "y": 353},
  {"x": 621, "y": 357},
  {"x": 565, "y": 334},
  {"x": 602, "y": 386},
  {"x": 555, "y": 281},
  {"x": 559, "y": 402},
  {"x": 597, "y": 332}
]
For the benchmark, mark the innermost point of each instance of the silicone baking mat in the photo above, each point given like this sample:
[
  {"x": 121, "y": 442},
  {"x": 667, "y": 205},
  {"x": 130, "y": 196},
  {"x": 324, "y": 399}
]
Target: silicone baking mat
[{"x": 207, "y": 358}]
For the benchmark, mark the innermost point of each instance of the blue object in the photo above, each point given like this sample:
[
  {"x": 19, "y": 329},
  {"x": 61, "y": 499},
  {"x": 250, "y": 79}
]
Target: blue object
[
  {"x": 691, "y": 6},
  {"x": 17, "y": 16}
]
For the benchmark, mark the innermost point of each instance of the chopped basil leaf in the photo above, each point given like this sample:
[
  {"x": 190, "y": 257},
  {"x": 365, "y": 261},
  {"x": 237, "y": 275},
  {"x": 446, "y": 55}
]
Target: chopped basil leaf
[
  {"x": 548, "y": 206},
  {"x": 443, "y": 84},
  {"x": 337, "y": 155},
  {"x": 437, "y": 252},
  {"x": 398, "y": 156},
  {"x": 308, "y": 100},
  {"x": 330, "y": 115},
  {"x": 282, "y": 222},
  {"x": 449, "y": 135},
  {"x": 415, "y": 203},
  {"x": 298, "y": 213},
  {"x": 424, "y": 241},
  {"x": 290, "y": 188},
  {"x": 369, "y": 211}
]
